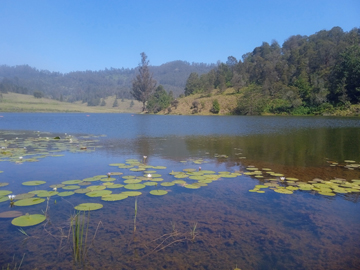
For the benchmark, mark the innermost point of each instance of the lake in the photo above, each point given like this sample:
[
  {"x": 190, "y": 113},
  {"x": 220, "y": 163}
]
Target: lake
[{"x": 225, "y": 202}]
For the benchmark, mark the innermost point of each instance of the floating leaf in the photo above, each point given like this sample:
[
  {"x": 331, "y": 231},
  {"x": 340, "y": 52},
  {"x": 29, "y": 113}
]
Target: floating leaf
[
  {"x": 4, "y": 198},
  {"x": 158, "y": 192},
  {"x": 132, "y": 181},
  {"x": 71, "y": 187},
  {"x": 98, "y": 193},
  {"x": 57, "y": 186},
  {"x": 5, "y": 192},
  {"x": 71, "y": 182},
  {"x": 66, "y": 193},
  {"x": 192, "y": 186},
  {"x": 33, "y": 183},
  {"x": 88, "y": 206},
  {"x": 28, "y": 220},
  {"x": 10, "y": 214},
  {"x": 134, "y": 186},
  {"x": 47, "y": 193},
  {"x": 131, "y": 193},
  {"x": 93, "y": 188},
  {"x": 3, "y": 184},
  {"x": 150, "y": 183},
  {"x": 81, "y": 190},
  {"x": 115, "y": 186},
  {"x": 30, "y": 201},
  {"x": 167, "y": 184},
  {"x": 114, "y": 197}
]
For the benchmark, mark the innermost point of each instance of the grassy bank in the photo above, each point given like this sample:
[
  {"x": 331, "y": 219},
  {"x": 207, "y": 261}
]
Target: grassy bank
[{"x": 13, "y": 102}]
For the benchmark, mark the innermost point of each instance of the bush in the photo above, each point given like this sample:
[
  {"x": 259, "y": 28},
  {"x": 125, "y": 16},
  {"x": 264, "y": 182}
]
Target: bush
[{"x": 216, "y": 106}]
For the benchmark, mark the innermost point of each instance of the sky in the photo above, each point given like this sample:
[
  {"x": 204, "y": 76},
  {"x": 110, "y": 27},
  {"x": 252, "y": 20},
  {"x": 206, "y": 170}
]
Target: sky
[{"x": 79, "y": 35}]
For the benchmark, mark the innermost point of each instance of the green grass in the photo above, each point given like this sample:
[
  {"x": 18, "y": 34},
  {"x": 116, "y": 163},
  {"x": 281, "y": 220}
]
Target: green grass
[{"x": 13, "y": 102}]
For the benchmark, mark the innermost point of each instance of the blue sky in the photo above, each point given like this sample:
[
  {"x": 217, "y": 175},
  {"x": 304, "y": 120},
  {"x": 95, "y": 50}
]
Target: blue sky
[{"x": 70, "y": 35}]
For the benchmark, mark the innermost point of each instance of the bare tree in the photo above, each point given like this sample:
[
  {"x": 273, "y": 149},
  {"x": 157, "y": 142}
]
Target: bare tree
[{"x": 143, "y": 84}]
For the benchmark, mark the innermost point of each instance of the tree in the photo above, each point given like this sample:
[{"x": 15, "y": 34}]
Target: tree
[
  {"x": 160, "y": 100},
  {"x": 38, "y": 94},
  {"x": 193, "y": 84},
  {"x": 216, "y": 106},
  {"x": 143, "y": 84},
  {"x": 115, "y": 104}
]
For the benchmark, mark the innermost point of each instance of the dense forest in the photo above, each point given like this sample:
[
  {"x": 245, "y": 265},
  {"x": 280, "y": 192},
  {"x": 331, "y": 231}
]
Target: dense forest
[
  {"x": 92, "y": 86},
  {"x": 307, "y": 75}
]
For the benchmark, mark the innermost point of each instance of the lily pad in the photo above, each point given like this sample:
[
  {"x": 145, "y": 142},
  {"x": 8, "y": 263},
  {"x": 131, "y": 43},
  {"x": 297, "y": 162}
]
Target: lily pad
[
  {"x": 57, "y": 186},
  {"x": 24, "y": 196},
  {"x": 10, "y": 214},
  {"x": 107, "y": 179},
  {"x": 192, "y": 186},
  {"x": 5, "y": 192},
  {"x": 81, "y": 190},
  {"x": 93, "y": 188},
  {"x": 98, "y": 193},
  {"x": 134, "y": 186},
  {"x": 30, "y": 201},
  {"x": 132, "y": 181},
  {"x": 114, "y": 197},
  {"x": 131, "y": 193},
  {"x": 4, "y": 198},
  {"x": 66, "y": 193},
  {"x": 47, "y": 193},
  {"x": 115, "y": 186},
  {"x": 167, "y": 184},
  {"x": 150, "y": 183},
  {"x": 71, "y": 182},
  {"x": 33, "y": 183},
  {"x": 88, "y": 206},
  {"x": 28, "y": 220},
  {"x": 3, "y": 184},
  {"x": 158, "y": 192},
  {"x": 71, "y": 187}
]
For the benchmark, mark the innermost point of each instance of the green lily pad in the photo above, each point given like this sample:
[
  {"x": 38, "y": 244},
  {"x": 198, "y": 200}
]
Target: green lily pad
[
  {"x": 158, "y": 192},
  {"x": 159, "y": 167},
  {"x": 192, "y": 186},
  {"x": 71, "y": 182},
  {"x": 4, "y": 198},
  {"x": 30, "y": 201},
  {"x": 3, "y": 184},
  {"x": 98, "y": 193},
  {"x": 57, "y": 186},
  {"x": 114, "y": 197},
  {"x": 115, "y": 186},
  {"x": 5, "y": 192},
  {"x": 283, "y": 191},
  {"x": 84, "y": 184},
  {"x": 33, "y": 183},
  {"x": 107, "y": 179},
  {"x": 47, "y": 193},
  {"x": 129, "y": 177},
  {"x": 167, "y": 184},
  {"x": 134, "y": 186},
  {"x": 81, "y": 190},
  {"x": 37, "y": 191},
  {"x": 88, "y": 206},
  {"x": 66, "y": 193},
  {"x": 131, "y": 193},
  {"x": 179, "y": 182},
  {"x": 150, "y": 183},
  {"x": 157, "y": 179},
  {"x": 132, "y": 181},
  {"x": 24, "y": 196},
  {"x": 71, "y": 187},
  {"x": 28, "y": 220},
  {"x": 94, "y": 188}
]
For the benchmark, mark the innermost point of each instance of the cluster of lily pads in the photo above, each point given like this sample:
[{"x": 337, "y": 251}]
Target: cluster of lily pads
[
  {"x": 287, "y": 185},
  {"x": 348, "y": 164},
  {"x": 104, "y": 186},
  {"x": 26, "y": 148}
]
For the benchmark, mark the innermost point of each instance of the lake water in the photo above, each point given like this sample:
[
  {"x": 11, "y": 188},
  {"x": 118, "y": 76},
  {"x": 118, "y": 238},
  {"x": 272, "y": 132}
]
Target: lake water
[{"x": 232, "y": 226}]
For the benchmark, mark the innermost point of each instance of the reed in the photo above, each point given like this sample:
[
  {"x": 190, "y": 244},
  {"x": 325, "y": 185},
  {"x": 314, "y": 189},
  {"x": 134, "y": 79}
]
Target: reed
[
  {"x": 15, "y": 267},
  {"x": 135, "y": 216},
  {"x": 193, "y": 232},
  {"x": 79, "y": 229}
]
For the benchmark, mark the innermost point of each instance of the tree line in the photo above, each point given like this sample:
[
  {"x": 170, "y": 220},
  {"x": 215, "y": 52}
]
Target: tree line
[
  {"x": 92, "y": 87},
  {"x": 306, "y": 75}
]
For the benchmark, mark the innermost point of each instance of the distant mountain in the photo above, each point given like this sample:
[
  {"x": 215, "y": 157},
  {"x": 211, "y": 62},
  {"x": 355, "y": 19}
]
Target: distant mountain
[{"x": 91, "y": 86}]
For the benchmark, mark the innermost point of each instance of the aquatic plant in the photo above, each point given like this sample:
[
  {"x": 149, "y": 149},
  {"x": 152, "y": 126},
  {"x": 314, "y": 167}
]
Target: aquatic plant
[
  {"x": 15, "y": 267},
  {"x": 135, "y": 216},
  {"x": 193, "y": 232}
]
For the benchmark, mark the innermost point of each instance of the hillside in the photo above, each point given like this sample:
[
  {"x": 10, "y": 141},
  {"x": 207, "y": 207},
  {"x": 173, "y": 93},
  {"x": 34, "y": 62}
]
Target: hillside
[{"x": 13, "y": 102}]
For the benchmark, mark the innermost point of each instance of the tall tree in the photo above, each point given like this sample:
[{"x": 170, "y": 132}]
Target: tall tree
[{"x": 143, "y": 84}]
